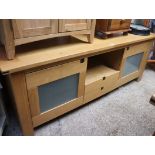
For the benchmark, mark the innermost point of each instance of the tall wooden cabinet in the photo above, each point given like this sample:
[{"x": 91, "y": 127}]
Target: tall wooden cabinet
[{"x": 21, "y": 31}]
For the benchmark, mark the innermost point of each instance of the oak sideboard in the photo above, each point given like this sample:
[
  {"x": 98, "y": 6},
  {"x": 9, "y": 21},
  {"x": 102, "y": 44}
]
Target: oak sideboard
[{"x": 50, "y": 78}]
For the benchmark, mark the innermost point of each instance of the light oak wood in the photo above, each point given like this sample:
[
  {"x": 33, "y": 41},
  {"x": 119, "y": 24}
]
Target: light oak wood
[
  {"x": 112, "y": 59},
  {"x": 21, "y": 31},
  {"x": 33, "y": 27},
  {"x": 92, "y": 32},
  {"x": 98, "y": 72},
  {"x": 6, "y": 38},
  {"x": 128, "y": 78},
  {"x": 37, "y": 78},
  {"x": 48, "y": 36},
  {"x": 143, "y": 64},
  {"x": 35, "y": 63},
  {"x": 74, "y": 24},
  {"x": 50, "y": 52},
  {"x": 19, "y": 90},
  {"x": 55, "y": 112},
  {"x": 34, "y": 100},
  {"x": 44, "y": 76},
  {"x": 135, "y": 49},
  {"x": 99, "y": 80}
]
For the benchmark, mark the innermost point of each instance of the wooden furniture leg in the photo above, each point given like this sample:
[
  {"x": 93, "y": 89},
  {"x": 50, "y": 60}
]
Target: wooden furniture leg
[
  {"x": 143, "y": 64},
  {"x": 144, "y": 61},
  {"x": 7, "y": 38},
  {"x": 91, "y": 35},
  {"x": 18, "y": 84}
]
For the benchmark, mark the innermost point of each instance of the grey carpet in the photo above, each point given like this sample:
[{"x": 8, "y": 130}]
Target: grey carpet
[{"x": 125, "y": 111}]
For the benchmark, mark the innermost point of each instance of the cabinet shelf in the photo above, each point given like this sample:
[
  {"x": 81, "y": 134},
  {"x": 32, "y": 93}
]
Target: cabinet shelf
[{"x": 97, "y": 72}]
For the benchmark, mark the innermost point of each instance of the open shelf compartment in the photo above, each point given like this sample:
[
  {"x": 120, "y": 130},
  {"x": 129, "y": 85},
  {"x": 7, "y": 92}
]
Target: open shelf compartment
[{"x": 103, "y": 65}]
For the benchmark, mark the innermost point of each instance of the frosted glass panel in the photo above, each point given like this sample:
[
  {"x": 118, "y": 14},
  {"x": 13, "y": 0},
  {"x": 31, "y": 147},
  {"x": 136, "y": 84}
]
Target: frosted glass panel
[
  {"x": 132, "y": 64},
  {"x": 58, "y": 92}
]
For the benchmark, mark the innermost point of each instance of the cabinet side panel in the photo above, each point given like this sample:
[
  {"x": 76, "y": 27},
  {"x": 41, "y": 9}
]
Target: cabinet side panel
[{"x": 21, "y": 101}]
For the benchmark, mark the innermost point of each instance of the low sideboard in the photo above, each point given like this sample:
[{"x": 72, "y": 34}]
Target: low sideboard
[{"x": 48, "y": 79}]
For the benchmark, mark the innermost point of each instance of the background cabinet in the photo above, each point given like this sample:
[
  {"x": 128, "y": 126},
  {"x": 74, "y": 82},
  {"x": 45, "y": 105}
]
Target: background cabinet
[
  {"x": 32, "y": 27},
  {"x": 66, "y": 25},
  {"x": 21, "y": 31},
  {"x": 110, "y": 26}
]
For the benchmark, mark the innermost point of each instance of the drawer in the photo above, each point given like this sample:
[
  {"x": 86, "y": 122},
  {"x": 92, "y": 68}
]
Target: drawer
[
  {"x": 116, "y": 24},
  {"x": 135, "y": 49},
  {"x": 101, "y": 86}
]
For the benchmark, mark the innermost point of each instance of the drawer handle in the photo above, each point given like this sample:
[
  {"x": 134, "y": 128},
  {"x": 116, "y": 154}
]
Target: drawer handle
[
  {"x": 102, "y": 88},
  {"x": 104, "y": 78},
  {"x": 82, "y": 61}
]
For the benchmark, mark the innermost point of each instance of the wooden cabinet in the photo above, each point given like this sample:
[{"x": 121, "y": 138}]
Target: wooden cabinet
[
  {"x": 67, "y": 76},
  {"x": 21, "y": 31},
  {"x": 102, "y": 74},
  {"x": 99, "y": 80},
  {"x": 133, "y": 61},
  {"x": 33, "y": 27},
  {"x": 111, "y": 26},
  {"x": 66, "y": 25},
  {"x": 118, "y": 24},
  {"x": 132, "y": 64},
  {"x": 56, "y": 90}
]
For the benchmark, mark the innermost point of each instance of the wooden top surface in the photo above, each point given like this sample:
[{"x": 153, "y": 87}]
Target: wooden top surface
[{"x": 59, "y": 49}]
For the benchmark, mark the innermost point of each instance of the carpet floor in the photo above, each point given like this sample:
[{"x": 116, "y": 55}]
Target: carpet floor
[{"x": 125, "y": 111}]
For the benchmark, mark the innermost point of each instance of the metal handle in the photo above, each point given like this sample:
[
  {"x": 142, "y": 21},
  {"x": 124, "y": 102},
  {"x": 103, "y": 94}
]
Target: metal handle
[
  {"x": 102, "y": 88},
  {"x": 104, "y": 78}
]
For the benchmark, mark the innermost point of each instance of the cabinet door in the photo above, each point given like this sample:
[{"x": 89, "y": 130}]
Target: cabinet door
[
  {"x": 66, "y": 25},
  {"x": 33, "y": 27},
  {"x": 132, "y": 64},
  {"x": 56, "y": 90}
]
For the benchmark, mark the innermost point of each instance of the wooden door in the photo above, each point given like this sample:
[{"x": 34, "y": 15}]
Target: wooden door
[
  {"x": 134, "y": 61},
  {"x": 66, "y": 25},
  {"x": 33, "y": 27},
  {"x": 56, "y": 90}
]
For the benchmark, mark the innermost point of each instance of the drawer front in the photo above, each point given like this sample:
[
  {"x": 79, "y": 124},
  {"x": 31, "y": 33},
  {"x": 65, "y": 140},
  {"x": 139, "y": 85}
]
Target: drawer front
[
  {"x": 100, "y": 87},
  {"x": 118, "y": 24},
  {"x": 56, "y": 90}
]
